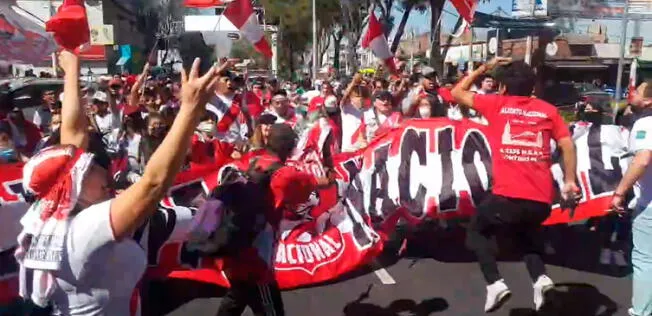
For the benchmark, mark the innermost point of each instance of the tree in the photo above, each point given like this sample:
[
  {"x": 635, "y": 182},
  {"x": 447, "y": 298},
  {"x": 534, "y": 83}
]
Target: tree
[
  {"x": 294, "y": 19},
  {"x": 386, "y": 18},
  {"x": 355, "y": 16},
  {"x": 436, "y": 59},
  {"x": 407, "y": 6}
]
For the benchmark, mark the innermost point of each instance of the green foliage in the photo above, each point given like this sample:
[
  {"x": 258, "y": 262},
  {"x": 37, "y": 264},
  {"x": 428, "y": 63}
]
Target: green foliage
[
  {"x": 243, "y": 49},
  {"x": 294, "y": 20}
]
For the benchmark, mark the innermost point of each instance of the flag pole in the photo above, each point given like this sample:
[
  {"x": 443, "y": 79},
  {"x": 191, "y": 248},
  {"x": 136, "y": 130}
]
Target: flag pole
[{"x": 314, "y": 42}]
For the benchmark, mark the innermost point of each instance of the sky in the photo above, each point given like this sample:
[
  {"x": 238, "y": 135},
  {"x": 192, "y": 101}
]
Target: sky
[{"x": 420, "y": 23}]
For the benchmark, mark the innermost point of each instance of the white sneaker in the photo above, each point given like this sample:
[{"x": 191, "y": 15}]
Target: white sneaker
[
  {"x": 619, "y": 258},
  {"x": 497, "y": 295},
  {"x": 541, "y": 286},
  {"x": 605, "y": 256}
]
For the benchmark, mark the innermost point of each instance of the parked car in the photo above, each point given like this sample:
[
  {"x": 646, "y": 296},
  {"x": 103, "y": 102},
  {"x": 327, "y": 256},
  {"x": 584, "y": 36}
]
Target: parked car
[{"x": 26, "y": 93}]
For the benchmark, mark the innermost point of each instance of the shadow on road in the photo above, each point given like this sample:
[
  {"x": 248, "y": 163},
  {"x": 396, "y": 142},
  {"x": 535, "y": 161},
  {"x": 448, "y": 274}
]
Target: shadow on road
[
  {"x": 571, "y": 299},
  {"x": 395, "y": 308},
  {"x": 161, "y": 297},
  {"x": 575, "y": 247}
]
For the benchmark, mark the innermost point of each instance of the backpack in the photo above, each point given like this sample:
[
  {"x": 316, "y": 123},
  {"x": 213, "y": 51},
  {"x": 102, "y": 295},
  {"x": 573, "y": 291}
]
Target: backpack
[{"x": 245, "y": 203}]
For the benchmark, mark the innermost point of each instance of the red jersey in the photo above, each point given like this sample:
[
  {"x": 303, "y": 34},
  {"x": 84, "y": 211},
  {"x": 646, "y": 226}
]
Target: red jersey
[{"x": 519, "y": 131}]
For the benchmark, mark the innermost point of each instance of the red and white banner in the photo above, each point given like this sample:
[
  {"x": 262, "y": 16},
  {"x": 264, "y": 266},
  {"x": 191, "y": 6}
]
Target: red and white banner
[{"x": 436, "y": 168}]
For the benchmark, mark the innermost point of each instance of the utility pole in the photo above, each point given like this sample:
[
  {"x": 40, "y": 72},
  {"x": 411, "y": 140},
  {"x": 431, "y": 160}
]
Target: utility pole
[
  {"x": 621, "y": 58},
  {"x": 412, "y": 48},
  {"x": 53, "y": 11},
  {"x": 530, "y": 42}
]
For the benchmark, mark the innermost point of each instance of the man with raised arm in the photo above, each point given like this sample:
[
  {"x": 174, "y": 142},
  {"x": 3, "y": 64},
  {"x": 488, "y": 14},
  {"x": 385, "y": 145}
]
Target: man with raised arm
[{"x": 519, "y": 131}]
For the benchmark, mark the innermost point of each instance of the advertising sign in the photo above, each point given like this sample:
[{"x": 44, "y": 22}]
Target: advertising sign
[
  {"x": 598, "y": 9},
  {"x": 523, "y": 8}
]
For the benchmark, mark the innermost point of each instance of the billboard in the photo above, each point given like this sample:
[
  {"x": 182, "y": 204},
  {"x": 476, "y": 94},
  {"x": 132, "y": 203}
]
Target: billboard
[
  {"x": 599, "y": 8},
  {"x": 523, "y": 8}
]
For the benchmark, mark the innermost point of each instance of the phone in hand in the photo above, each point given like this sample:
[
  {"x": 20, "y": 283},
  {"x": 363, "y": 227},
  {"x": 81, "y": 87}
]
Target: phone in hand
[{"x": 191, "y": 45}]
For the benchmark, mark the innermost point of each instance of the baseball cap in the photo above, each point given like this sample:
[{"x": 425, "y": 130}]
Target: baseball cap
[
  {"x": 267, "y": 119},
  {"x": 383, "y": 95},
  {"x": 330, "y": 102},
  {"x": 429, "y": 72},
  {"x": 101, "y": 97}
]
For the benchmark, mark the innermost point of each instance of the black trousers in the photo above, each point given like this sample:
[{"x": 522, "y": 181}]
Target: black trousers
[
  {"x": 263, "y": 299},
  {"x": 520, "y": 220}
]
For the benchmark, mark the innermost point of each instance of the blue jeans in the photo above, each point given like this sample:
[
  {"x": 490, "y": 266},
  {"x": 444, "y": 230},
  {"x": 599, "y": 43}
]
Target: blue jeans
[{"x": 642, "y": 263}]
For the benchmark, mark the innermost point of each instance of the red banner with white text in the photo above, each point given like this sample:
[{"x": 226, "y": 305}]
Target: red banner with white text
[{"x": 435, "y": 168}]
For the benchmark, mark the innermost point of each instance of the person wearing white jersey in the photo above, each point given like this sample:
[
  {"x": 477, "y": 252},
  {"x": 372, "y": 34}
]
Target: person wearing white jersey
[
  {"x": 76, "y": 241},
  {"x": 226, "y": 104},
  {"x": 353, "y": 104},
  {"x": 639, "y": 173}
]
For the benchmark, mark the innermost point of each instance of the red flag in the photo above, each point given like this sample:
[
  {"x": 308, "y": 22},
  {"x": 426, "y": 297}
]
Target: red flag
[
  {"x": 242, "y": 15},
  {"x": 70, "y": 25},
  {"x": 376, "y": 40},
  {"x": 466, "y": 8},
  {"x": 203, "y": 3}
]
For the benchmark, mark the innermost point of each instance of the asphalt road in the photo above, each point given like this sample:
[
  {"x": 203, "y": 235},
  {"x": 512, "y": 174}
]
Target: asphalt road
[{"x": 437, "y": 276}]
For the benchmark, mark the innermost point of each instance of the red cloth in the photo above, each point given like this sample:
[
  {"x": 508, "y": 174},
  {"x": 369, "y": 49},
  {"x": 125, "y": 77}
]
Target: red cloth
[
  {"x": 316, "y": 103},
  {"x": 70, "y": 25},
  {"x": 446, "y": 95},
  {"x": 255, "y": 105},
  {"x": 222, "y": 152},
  {"x": 519, "y": 131},
  {"x": 201, "y": 152}
]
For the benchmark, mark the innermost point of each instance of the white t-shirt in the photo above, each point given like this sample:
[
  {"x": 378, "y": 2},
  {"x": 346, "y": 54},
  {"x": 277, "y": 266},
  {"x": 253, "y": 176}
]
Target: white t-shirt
[
  {"x": 108, "y": 122},
  {"x": 131, "y": 145},
  {"x": 351, "y": 121},
  {"x": 220, "y": 105},
  {"x": 42, "y": 118},
  {"x": 98, "y": 274},
  {"x": 640, "y": 138}
]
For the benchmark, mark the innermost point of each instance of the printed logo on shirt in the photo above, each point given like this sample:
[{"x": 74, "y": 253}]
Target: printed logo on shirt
[
  {"x": 521, "y": 137},
  {"x": 640, "y": 134}
]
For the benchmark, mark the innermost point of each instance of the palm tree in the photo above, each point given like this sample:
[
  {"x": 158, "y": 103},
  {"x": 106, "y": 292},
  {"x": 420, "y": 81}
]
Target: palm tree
[{"x": 407, "y": 6}]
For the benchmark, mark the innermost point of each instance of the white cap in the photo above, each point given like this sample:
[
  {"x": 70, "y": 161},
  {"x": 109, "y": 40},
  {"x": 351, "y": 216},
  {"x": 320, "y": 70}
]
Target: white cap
[
  {"x": 101, "y": 96},
  {"x": 330, "y": 102}
]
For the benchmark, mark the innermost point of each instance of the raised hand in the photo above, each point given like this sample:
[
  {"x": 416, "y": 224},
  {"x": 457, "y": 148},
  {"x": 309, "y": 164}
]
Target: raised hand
[
  {"x": 68, "y": 61},
  {"x": 196, "y": 90},
  {"x": 498, "y": 61}
]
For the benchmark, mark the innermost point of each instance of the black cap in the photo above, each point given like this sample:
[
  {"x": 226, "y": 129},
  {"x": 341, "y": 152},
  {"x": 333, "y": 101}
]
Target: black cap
[
  {"x": 429, "y": 73},
  {"x": 267, "y": 119},
  {"x": 383, "y": 95}
]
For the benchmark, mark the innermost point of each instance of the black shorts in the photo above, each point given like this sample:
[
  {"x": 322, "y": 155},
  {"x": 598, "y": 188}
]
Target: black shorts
[{"x": 498, "y": 210}]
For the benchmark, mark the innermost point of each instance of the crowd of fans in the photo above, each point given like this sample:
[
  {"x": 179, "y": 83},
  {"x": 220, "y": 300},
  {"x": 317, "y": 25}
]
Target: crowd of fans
[
  {"x": 130, "y": 117},
  {"x": 133, "y": 113}
]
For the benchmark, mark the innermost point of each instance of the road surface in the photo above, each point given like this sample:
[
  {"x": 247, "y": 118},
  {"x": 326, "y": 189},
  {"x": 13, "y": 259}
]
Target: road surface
[{"x": 437, "y": 276}]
